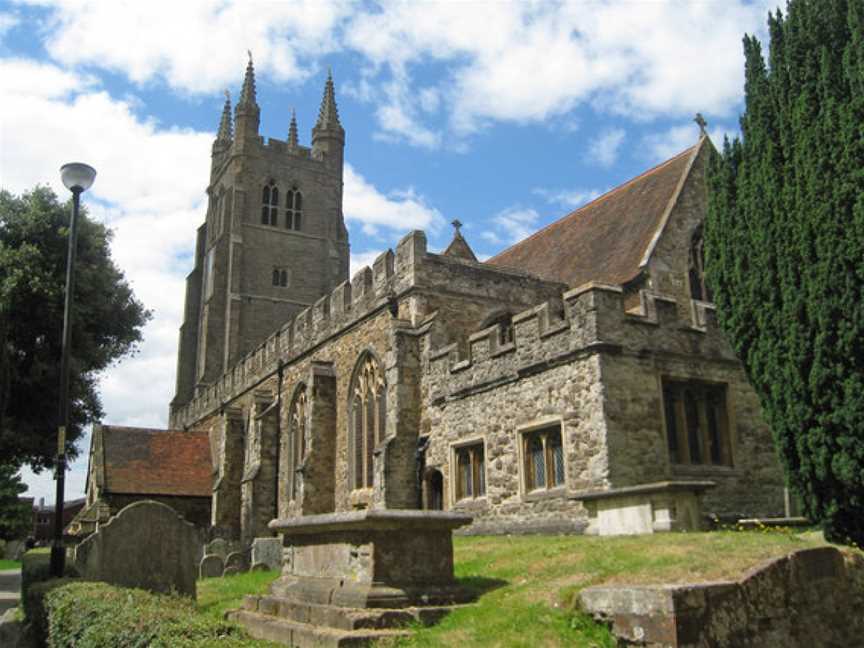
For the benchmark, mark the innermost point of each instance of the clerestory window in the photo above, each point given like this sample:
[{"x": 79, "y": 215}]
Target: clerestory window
[
  {"x": 270, "y": 204},
  {"x": 368, "y": 408},
  {"x": 543, "y": 457},
  {"x": 470, "y": 471},
  {"x": 697, "y": 424},
  {"x": 296, "y": 439},
  {"x": 294, "y": 210}
]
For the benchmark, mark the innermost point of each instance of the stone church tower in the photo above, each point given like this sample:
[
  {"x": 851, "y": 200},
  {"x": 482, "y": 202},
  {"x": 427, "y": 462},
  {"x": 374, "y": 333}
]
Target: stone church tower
[{"x": 273, "y": 242}]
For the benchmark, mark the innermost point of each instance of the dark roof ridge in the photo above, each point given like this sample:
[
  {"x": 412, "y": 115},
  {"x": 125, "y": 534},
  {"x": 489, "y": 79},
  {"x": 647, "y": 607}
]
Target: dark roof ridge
[{"x": 600, "y": 198}]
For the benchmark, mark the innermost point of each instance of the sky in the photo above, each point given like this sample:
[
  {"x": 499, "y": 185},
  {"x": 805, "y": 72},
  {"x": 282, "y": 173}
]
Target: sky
[{"x": 505, "y": 115}]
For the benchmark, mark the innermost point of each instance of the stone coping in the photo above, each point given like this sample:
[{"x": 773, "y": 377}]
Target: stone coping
[
  {"x": 372, "y": 519},
  {"x": 644, "y": 489}
]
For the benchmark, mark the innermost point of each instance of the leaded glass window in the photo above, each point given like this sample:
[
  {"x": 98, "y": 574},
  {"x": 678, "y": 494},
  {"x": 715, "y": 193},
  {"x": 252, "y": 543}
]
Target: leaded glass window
[
  {"x": 470, "y": 471},
  {"x": 368, "y": 407},
  {"x": 544, "y": 458}
]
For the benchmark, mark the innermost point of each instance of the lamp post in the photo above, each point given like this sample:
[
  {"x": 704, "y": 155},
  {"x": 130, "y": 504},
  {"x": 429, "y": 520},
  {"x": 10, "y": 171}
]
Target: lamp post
[{"x": 77, "y": 178}]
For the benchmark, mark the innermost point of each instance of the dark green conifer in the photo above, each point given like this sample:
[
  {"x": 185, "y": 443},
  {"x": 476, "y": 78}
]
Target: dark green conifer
[{"x": 785, "y": 250}]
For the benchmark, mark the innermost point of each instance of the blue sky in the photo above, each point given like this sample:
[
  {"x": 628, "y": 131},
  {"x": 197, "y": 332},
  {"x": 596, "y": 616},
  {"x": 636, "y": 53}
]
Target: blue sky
[{"x": 504, "y": 115}]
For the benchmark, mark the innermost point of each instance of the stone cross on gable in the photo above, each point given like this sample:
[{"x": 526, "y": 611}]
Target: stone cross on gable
[
  {"x": 700, "y": 121},
  {"x": 457, "y": 224}
]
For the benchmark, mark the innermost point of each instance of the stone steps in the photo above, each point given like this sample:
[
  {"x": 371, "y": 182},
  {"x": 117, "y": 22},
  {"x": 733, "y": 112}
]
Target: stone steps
[
  {"x": 343, "y": 618},
  {"x": 305, "y": 635}
]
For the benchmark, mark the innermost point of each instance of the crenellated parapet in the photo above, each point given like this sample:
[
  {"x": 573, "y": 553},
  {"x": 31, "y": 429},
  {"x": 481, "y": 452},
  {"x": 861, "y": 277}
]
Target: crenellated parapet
[
  {"x": 589, "y": 319},
  {"x": 391, "y": 275}
]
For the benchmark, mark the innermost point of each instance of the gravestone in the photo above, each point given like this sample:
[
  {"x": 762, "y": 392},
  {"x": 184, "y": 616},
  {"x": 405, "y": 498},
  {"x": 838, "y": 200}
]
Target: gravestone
[
  {"x": 267, "y": 551},
  {"x": 218, "y": 546},
  {"x": 211, "y": 566},
  {"x": 236, "y": 562},
  {"x": 147, "y": 545}
]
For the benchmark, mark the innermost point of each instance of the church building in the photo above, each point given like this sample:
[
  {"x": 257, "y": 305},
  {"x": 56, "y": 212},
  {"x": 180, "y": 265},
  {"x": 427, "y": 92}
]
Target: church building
[{"x": 575, "y": 382}]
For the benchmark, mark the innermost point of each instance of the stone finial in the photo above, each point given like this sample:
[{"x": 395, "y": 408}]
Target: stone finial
[
  {"x": 292, "y": 130},
  {"x": 457, "y": 225},
  {"x": 226, "y": 127},
  {"x": 459, "y": 247},
  {"x": 700, "y": 121},
  {"x": 247, "y": 94},
  {"x": 328, "y": 115}
]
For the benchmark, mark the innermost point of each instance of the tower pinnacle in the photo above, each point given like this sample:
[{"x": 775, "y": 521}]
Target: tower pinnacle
[
  {"x": 247, "y": 94},
  {"x": 292, "y": 130},
  {"x": 328, "y": 115},
  {"x": 226, "y": 127}
]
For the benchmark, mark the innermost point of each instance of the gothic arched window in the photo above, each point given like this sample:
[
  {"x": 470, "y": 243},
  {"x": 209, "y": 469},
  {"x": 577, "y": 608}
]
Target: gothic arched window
[
  {"x": 293, "y": 209},
  {"x": 296, "y": 439},
  {"x": 270, "y": 204},
  {"x": 368, "y": 416},
  {"x": 698, "y": 288}
]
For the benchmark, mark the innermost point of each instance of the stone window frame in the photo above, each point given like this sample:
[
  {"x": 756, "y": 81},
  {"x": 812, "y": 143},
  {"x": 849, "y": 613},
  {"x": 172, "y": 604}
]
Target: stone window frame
[
  {"x": 296, "y": 443},
  {"x": 364, "y": 441},
  {"x": 522, "y": 432},
  {"x": 680, "y": 454},
  {"x": 280, "y": 277},
  {"x": 697, "y": 289},
  {"x": 482, "y": 480},
  {"x": 294, "y": 209},
  {"x": 270, "y": 204}
]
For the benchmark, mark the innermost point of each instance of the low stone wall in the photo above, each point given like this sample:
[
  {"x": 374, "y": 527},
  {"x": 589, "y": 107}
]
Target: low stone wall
[{"x": 810, "y": 599}]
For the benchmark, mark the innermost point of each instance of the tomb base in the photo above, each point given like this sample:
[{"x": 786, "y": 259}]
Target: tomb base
[{"x": 349, "y": 579}]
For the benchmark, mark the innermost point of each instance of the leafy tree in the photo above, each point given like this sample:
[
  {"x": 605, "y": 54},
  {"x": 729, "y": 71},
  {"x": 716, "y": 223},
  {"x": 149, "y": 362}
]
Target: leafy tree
[
  {"x": 785, "y": 250},
  {"x": 16, "y": 517},
  {"x": 107, "y": 322}
]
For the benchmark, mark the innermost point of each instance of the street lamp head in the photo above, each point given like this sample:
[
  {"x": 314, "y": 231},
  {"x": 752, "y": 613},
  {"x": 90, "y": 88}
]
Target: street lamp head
[{"x": 77, "y": 176}]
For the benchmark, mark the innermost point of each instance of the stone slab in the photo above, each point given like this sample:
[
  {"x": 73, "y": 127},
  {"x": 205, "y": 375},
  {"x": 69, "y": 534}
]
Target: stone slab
[
  {"x": 267, "y": 551},
  {"x": 211, "y": 566}
]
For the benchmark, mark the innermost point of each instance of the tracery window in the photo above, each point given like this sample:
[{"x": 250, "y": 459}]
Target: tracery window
[
  {"x": 297, "y": 438},
  {"x": 697, "y": 426},
  {"x": 270, "y": 204},
  {"x": 698, "y": 288},
  {"x": 280, "y": 277},
  {"x": 543, "y": 456},
  {"x": 293, "y": 209},
  {"x": 368, "y": 409},
  {"x": 470, "y": 471}
]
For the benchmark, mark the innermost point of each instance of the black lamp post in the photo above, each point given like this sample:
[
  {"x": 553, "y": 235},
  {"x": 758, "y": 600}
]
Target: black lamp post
[{"x": 77, "y": 177}]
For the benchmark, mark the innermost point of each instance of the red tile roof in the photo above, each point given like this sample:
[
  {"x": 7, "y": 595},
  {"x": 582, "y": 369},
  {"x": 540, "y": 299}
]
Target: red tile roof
[
  {"x": 144, "y": 461},
  {"x": 605, "y": 240}
]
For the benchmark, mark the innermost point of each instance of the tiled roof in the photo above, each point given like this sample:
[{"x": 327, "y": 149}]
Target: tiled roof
[
  {"x": 605, "y": 240},
  {"x": 143, "y": 461}
]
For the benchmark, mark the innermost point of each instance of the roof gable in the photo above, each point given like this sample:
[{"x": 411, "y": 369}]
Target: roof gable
[
  {"x": 609, "y": 239},
  {"x": 145, "y": 461}
]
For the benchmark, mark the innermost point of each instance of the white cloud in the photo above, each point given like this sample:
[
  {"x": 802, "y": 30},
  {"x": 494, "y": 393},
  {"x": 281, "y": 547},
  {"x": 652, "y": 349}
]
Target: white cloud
[
  {"x": 511, "y": 225},
  {"x": 399, "y": 211},
  {"x": 666, "y": 144},
  {"x": 194, "y": 45},
  {"x": 571, "y": 198},
  {"x": 7, "y": 22},
  {"x": 603, "y": 149},
  {"x": 362, "y": 259}
]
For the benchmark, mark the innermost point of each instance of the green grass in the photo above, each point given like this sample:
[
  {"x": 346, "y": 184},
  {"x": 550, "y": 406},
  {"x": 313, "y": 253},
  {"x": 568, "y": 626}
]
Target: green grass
[
  {"x": 528, "y": 586},
  {"x": 216, "y": 595},
  {"x": 9, "y": 564}
]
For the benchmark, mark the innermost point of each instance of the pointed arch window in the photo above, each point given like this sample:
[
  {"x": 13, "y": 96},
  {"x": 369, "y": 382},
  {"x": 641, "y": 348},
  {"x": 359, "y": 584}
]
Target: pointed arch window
[
  {"x": 368, "y": 408},
  {"x": 270, "y": 204},
  {"x": 294, "y": 209},
  {"x": 297, "y": 439},
  {"x": 698, "y": 288},
  {"x": 280, "y": 277}
]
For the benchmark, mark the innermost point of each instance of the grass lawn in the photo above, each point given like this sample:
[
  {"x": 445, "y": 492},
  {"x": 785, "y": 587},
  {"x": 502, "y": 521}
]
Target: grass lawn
[
  {"x": 527, "y": 585},
  {"x": 9, "y": 564}
]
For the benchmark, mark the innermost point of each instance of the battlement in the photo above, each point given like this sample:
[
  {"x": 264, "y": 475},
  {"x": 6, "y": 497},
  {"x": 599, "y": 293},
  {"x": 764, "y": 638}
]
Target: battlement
[
  {"x": 391, "y": 274},
  {"x": 280, "y": 147},
  {"x": 586, "y": 319}
]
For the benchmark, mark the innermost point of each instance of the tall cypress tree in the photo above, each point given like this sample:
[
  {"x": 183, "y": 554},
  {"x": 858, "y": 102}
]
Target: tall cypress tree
[{"x": 784, "y": 244}]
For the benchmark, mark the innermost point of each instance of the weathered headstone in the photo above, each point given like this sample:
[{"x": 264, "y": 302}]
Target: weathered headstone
[
  {"x": 147, "y": 545},
  {"x": 217, "y": 546},
  {"x": 267, "y": 551},
  {"x": 211, "y": 566},
  {"x": 236, "y": 562}
]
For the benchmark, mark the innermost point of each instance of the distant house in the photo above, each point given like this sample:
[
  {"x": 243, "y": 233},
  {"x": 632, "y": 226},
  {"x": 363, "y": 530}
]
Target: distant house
[{"x": 132, "y": 464}]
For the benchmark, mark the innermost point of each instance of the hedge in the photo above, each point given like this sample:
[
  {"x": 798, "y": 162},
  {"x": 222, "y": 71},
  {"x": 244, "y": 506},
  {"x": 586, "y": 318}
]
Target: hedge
[{"x": 94, "y": 615}]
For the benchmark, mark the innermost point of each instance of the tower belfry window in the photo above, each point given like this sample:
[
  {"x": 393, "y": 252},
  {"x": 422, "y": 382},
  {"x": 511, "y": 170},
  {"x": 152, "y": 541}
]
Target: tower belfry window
[
  {"x": 270, "y": 204},
  {"x": 280, "y": 277},
  {"x": 293, "y": 210}
]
